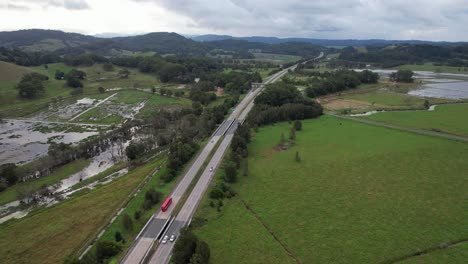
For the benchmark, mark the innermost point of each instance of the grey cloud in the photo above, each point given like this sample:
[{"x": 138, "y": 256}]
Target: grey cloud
[
  {"x": 70, "y": 4},
  {"x": 16, "y": 7},
  {"x": 325, "y": 18},
  {"x": 34, "y": 4}
]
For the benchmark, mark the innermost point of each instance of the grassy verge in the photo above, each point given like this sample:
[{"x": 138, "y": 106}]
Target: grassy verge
[
  {"x": 49, "y": 235},
  {"x": 361, "y": 194},
  {"x": 11, "y": 194},
  {"x": 445, "y": 118},
  {"x": 134, "y": 205}
]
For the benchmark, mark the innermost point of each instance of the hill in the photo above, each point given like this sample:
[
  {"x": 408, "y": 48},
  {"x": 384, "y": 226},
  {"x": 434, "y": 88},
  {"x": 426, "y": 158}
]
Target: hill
[
  {"x": 73, "y": 43},
  {"x": 11, "y": 72},
  {"x": 43, "y": 40},
  {"x": 321, "y": 42},
  {"x": 161, "y": 42}
]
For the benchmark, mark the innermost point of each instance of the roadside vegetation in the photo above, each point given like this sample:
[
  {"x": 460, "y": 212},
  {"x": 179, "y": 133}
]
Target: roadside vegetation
[
  {"x": 27, "y": 188},
  {"x": 75, "y": 221}
]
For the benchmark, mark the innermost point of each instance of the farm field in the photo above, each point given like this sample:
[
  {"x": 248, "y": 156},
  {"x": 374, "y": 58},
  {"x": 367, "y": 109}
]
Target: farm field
[
  {"x": 276, "y": 58},
  {"x": 445, "y": 118},
  {"x": 11, "y": 105},
  {"x": 361, "y": 194},
  {"x": 380, "y": 96},
  {"x": 455, "y": 254},
  {"x": 35, "y": 237},
  {"x": 433, "y": 68}
]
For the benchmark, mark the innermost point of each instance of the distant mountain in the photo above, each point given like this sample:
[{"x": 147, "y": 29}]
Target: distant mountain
[
  {"x": 72, "y": 43},
  {"x": 161, "y": 42},
  {"x": 43, "y": 40},
  {"x": 321, "y": 42},
  {"x": 112, "y": 35}
]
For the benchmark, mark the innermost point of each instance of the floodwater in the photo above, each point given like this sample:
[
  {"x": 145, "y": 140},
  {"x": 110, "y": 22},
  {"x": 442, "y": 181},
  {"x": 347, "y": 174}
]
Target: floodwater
[
  {"x": 438, "y": 85},
  {"x": 447, "y": 90},
  {"x": 19, "y": 143},
  {"x": 99, "y": 164}
]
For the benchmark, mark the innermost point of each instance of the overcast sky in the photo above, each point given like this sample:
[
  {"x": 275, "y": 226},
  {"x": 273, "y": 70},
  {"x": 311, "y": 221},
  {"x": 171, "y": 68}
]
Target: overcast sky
[{"x": 335, "y": 19}]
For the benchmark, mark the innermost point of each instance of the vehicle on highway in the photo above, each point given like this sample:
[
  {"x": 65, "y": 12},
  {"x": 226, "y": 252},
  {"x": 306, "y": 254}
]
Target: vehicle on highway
[
  {"x": 211, "y": 169},
  {"x": 166, "y": 204},
  {"x": 172, "y": 238},
  {"x": 164, "y": 241}
]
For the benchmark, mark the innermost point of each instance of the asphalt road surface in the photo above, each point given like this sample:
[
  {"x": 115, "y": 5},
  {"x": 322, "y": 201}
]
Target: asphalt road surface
[{"x": 146, "y": 239}]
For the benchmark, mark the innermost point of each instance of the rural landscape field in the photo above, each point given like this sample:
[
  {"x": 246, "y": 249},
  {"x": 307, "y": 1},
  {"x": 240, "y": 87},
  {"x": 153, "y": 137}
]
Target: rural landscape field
[{"x": 209, "y": 132}]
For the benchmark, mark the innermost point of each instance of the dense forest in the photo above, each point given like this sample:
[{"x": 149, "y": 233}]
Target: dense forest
[{"x": 391, "y": 56}]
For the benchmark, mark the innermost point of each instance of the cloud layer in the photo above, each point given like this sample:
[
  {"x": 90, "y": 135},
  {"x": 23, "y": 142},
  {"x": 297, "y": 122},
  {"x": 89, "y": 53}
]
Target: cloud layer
[{"x": 358, "y": 19}]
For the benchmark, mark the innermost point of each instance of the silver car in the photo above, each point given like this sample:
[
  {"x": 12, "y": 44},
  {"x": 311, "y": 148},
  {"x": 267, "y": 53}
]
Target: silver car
[
  {"x": 164, "y": 241},
  {"x": 172, "y": 238}
]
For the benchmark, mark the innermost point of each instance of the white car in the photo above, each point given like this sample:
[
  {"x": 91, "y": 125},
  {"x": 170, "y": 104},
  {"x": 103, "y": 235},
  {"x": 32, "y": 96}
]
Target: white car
[
  {"x": 172, "y": 238},
  {"x": 164, "y": 241},
  {"x": 211, "y": 169}
]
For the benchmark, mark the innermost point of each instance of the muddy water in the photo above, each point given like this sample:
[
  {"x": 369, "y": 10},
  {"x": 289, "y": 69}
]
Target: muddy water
[
  {"x": 447, "y": 90},
  {"x": 99, "y": 164},
  {"x": 19, "y": 143}
]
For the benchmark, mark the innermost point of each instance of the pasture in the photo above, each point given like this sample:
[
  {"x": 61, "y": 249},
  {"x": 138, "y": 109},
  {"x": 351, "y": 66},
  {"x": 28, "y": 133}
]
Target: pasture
[{"x": 360, "y": 194}]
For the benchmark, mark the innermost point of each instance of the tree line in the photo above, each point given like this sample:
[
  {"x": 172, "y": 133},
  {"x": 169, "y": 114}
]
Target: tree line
[
  {"x": 337, "y": 81},
  {"x": 408, "y": 54}
]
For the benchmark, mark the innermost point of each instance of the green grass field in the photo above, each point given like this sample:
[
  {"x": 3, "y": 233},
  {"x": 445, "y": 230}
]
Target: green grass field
[
  {"x": 446, "y": 118},
  {"x": 433, "y": 68},
  {"x": 388, "y": 99},
  {"x": 49, "y": 235},
  {"x": 276, "y": 58},
  {"x": 456, "y": 254},
  {"x": 361, "y": 194},
  {"x": 11, "y": 194}
]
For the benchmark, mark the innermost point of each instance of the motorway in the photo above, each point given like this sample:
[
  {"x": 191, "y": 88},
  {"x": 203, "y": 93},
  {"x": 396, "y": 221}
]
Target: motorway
[{"x": 154, "y": 227}]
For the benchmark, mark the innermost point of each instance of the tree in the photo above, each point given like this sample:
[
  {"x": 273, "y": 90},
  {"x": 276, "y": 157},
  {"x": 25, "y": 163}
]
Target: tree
[
  {"x": 153, "y": 90},
  {"x": 170, "y": 71},
  {"x": 152, "y": 197},
  {"x": 297, "y": 158},
  {"x": 134, "y": 150},
  {"x": 74, "y": 78},
  {"x": 402, "y": 76},
  {"x": 203, "y": 250},
  {"x": 230, "y": 170},
  {"x": 118, "y": 236},
  {"x": 137, "y": 215},
  {"x": 127, "y": 222},
  {"x": 292, "y": 134},
  {"x": 8, "y": 173},
  {"x": 216, "y": 193},
  {"x": 124, "y": 73},
  {"x": 184, "y": 248},
  {"x": 107, "y": 249},
  {"x": 297, "y": 125},
  {"x": 197, "y": 108},
  {"x": 427, "y": 104},
  {"x": 59, "y": 75},
  {"x": 101, "y": 89},
  {"x": 31, "y": 85}
]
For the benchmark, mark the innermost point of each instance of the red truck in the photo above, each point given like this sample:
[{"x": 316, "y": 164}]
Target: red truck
[{"x": 166, "y": 204}]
